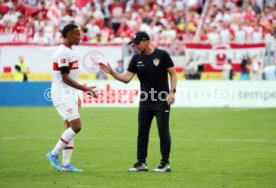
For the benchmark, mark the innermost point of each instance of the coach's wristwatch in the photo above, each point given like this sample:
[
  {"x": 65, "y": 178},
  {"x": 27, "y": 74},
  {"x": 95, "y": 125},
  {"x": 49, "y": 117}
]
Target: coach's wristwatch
[{"x": 173, "y": 90}]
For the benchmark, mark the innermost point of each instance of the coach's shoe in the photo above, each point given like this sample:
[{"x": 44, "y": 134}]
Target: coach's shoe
[
  {"x": 53, "y": 160},
  {"x": 139, "y": 167},
  {"x": 163, "y": 167},
  {"x": 70, "y": 168}
]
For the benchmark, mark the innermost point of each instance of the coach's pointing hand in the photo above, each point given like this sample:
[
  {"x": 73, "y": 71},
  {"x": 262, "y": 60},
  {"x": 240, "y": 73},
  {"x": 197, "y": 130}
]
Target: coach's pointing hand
[{"x": 106, "y": 68}]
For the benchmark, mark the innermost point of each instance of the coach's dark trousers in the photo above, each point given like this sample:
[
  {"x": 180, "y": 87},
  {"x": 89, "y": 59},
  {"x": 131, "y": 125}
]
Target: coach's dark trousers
[{"x": 147, "y": 110}]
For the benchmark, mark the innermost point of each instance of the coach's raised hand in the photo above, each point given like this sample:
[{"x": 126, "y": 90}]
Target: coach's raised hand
[{"x": 106, "y": 68}]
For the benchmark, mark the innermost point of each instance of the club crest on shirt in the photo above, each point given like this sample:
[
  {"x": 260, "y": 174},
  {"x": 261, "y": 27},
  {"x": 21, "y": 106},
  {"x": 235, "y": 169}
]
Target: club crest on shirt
[
  {"x": 156, "y": 62},
  {"x": 63, "y": 61},
  {"x": 70, "y": 111}
]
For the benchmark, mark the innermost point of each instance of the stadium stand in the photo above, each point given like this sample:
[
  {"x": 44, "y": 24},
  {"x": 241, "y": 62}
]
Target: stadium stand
[{"x": 170, "y": 23}]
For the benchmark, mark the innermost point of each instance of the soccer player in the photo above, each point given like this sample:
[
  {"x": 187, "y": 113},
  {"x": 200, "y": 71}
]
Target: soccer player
[
  {"x": 65, "y": 98},
  {"x": 152, "y": 66}
]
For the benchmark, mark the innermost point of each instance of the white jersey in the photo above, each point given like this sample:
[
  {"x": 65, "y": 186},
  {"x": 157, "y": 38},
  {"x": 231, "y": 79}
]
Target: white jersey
[
  {"x": 61, "y": 92},
  {"x": 240, "y": 37},
  {"x": 225, "y": 36}
]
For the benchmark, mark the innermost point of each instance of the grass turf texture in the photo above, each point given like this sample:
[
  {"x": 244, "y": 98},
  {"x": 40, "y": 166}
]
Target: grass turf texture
[{"x": 210, "y": 148}]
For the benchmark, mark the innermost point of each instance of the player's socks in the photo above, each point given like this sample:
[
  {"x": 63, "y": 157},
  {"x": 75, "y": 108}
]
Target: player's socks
[
  {"x": 67, "y": 153},
  {"x": 64, "y": 140}
]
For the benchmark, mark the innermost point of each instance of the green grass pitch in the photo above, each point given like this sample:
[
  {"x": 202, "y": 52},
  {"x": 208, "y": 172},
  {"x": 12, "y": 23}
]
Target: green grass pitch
[{"x": 210, "y": 148}]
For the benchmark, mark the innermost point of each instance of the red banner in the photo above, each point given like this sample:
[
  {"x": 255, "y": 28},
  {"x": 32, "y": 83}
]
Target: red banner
[
  {"x": 54, "y": 14},
  {"x": 82, "y": 3},
  {"x": 214, "y": 57}
]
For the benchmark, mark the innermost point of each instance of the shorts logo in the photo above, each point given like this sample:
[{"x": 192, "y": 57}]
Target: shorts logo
[
  {"x": 63, "y": 61},
  {"x": 70, "y": 111},
  {"x": 156, "y": 62}
]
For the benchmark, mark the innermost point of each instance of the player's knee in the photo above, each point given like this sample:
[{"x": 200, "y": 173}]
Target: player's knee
[
  {"x": 76, "y": 125},
  {"x": 77, "y": 128}
]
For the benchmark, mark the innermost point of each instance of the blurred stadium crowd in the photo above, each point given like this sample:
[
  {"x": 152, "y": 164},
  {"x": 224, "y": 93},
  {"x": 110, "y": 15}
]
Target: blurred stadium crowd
[
  {"x": 171, "y": 24},
  {"x": 167, "y": 21}
]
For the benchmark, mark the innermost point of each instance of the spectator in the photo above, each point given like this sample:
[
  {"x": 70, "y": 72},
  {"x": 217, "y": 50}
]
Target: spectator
[
  {"x": 40, "y": 37},
  {"x": 240, "y": 36},
  {"x": 116, "y": 12},
  {"x": 255, "y": 7},
  {"x": 124, "y": 28},
  {"x": 12, "y": 16},
  {"x": 257, "y": 36},
  {"x": 213, "y": 36},
  {"x": 99, "y": 39},
  {"x": 245, "y": 69},
  {"x": 106, "y": 31},
  {"x": 270, "y": 72},
  {"x": 255, "y": 69},
  {"x": 56, "y": 37},
  {"x": 191, "y": 70},
  {"x": 228, "y": 71},
  {"x": 102, "y": 5},
  {"x": 19, "y": 26},
  {"x": 225, "y": 35},
  {"x": 92, "y": 28},
  {"x": 3, "y": 8},
  {"x": 101, "y": 75},
  {"x": 21, "y": 70},
  {"x": 120, "y": 67}
]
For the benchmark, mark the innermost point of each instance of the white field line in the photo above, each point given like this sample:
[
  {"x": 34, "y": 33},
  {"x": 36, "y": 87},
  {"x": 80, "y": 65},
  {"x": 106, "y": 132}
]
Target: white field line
[{"x": 14, "y": 138}]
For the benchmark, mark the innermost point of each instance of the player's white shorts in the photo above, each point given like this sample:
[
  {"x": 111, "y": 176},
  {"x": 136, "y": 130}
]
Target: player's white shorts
[{"x": 69, "y": 110}]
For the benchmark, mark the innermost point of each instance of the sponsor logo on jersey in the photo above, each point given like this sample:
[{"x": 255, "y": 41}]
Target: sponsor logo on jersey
[{"x": 140, "y": 64}]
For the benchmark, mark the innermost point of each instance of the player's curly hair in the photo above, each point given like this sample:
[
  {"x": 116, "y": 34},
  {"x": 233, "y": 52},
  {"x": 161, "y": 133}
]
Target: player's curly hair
[{"x": 68, "y": 28}]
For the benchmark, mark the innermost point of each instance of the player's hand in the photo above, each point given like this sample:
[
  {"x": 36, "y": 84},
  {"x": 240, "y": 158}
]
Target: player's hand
[
  {"x": 106, "y": 68},
  {"x": 90, "y": 91},
  {"x": 171, "y": 98}
]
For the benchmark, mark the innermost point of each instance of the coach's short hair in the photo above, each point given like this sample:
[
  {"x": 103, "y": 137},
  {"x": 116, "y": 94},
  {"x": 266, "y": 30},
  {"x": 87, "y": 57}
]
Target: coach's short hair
[{"x": 68, "y": 28}]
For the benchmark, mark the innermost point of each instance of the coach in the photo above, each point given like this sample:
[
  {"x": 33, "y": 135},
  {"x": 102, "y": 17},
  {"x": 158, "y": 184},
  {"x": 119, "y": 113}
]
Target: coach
[{"x": 152, "y": 66}]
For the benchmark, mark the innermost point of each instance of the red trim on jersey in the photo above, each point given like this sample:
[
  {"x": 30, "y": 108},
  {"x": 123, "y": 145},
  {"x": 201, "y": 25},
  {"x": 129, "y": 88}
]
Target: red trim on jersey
[
  {"x": 55, "y": 66},
  {"x": 68, "y": 147},
  {"x": 61, "y": 139},
  {"x": 72, "y": 65},
  {"x": 67, "y": 45}
]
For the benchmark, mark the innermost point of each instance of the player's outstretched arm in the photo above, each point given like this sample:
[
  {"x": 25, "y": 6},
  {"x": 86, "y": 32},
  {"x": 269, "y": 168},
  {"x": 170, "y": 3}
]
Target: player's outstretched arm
[
  {"x": 125, "y": 77},
  {"x": 69, "y": 81}
]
